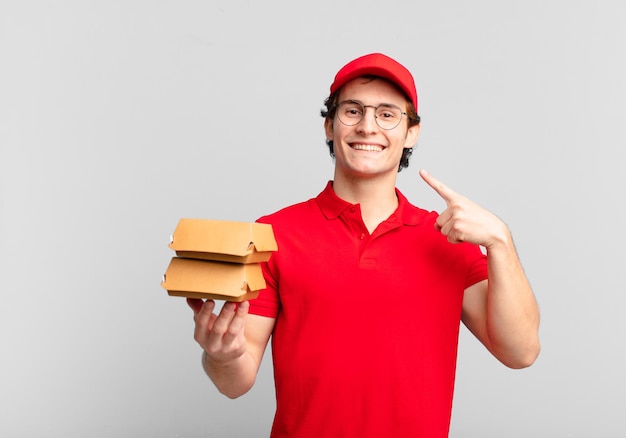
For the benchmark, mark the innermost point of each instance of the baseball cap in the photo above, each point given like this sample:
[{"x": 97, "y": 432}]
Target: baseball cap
[{"x": 381, "y": 65}]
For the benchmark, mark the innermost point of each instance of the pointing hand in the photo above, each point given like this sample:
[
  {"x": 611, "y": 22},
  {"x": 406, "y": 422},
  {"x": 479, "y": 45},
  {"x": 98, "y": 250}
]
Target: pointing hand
[{"x": 463, "y": 220}]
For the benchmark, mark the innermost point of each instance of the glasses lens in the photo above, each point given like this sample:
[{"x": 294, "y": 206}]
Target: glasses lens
[
  {"x": 350, "y": 113},
  {"x": 388, "y": 117}
]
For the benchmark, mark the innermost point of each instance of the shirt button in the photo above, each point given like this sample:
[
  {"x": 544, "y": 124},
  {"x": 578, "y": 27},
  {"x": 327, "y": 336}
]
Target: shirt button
[
  {"x": 362, "y": 236},
  {"x": 352, "y": 209}
]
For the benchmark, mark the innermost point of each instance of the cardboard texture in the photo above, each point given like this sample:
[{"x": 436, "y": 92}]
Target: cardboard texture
[
  {"x": 213, "y": 280},
  {"x": 218, "y": 260},
  {"x": 235, "y": 242}
]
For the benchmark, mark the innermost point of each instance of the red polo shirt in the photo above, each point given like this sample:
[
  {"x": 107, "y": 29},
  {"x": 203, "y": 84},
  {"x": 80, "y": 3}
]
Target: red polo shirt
[{"x": 367, "y": 325}]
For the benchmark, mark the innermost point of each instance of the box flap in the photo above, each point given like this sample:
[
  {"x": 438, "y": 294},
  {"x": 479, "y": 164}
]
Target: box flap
[
  {"x": 227, "y": 281},
  {"x": 240, "y": 242}
]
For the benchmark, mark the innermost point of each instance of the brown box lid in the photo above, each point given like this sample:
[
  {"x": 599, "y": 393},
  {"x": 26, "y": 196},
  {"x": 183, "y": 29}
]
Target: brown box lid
[
  {"x": 213, "y": 280},
  {"x": 228, "y": 241}
]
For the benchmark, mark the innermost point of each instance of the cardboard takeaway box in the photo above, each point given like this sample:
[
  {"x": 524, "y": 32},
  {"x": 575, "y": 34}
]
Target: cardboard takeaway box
[
  {"x": 236, "y": 242},
  {"x": 218, "y": 259},
  {"x": 213, "y": 280}
]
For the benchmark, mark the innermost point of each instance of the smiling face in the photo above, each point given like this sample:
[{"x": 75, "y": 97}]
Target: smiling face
[{"x": 365, "y": 150}]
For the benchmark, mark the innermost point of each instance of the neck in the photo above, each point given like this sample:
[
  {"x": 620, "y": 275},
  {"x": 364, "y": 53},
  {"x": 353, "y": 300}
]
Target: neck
[{"x": 377, "y": 196}]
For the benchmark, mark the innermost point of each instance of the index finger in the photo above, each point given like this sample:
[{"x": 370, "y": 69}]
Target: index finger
[{"x": 442, "y": 190}]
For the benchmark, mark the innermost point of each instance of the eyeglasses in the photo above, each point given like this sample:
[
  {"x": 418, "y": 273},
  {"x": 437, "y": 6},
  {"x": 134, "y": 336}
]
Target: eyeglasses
[{"x": 387, "y": 116}]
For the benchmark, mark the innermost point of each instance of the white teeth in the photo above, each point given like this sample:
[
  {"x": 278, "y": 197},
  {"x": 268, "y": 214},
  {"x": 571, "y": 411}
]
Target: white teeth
[{"x": 367, "y": 147}]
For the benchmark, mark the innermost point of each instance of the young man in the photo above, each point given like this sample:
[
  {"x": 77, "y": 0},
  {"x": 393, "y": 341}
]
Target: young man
[{"x": 366, "y": 292}]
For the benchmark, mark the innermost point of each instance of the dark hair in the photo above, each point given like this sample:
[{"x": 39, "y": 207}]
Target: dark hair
[{"x": 412, "y": 119}]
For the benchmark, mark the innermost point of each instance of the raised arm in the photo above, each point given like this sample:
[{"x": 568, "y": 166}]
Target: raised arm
[
  {"x": 233, "y": 342},
  {"x": 502, "y": 311}
]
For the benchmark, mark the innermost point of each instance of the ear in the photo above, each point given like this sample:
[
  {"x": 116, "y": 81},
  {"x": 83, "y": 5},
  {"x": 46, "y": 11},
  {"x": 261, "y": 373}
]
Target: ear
[
  {"x": 328, "y": 128},
  {"x": 411, "y": 136}
]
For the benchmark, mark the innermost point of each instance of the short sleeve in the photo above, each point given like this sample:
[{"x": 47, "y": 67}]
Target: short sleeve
[{"x": 268, "y": 302}]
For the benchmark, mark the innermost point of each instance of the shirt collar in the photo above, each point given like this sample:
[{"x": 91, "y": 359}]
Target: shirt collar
[{"x": 332, "y": 206}]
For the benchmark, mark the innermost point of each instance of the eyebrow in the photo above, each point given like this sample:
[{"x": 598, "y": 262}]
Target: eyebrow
[{"x": 377, "y": 106}]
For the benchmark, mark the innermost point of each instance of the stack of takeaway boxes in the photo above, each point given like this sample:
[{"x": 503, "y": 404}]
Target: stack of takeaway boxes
[{"x": 218, "y": 260}]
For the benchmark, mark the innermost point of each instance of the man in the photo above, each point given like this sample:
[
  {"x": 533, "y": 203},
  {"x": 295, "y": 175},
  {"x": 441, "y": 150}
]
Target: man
[{"x": 366, "y": 292}]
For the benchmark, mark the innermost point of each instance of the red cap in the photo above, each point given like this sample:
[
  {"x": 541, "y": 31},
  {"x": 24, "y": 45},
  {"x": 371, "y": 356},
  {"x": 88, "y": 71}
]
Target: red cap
[{"x": 381, "y": 65}]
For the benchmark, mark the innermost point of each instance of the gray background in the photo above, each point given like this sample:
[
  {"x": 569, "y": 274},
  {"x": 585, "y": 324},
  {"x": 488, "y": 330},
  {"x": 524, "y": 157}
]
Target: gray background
[{"x": 118, "y": 118}]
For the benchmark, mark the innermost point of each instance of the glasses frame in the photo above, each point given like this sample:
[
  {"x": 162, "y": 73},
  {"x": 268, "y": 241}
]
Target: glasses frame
[{"x": 388, "y": 105}]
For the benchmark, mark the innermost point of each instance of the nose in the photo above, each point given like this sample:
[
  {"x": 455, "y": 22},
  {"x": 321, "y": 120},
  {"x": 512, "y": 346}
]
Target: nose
[{"x": 368, "y": 124}]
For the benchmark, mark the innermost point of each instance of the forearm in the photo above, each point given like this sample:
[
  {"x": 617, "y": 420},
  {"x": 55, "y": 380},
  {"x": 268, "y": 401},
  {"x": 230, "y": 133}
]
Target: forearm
[
  {"x": 233, "y": 379},
  {"x": 512, "y": 322}
]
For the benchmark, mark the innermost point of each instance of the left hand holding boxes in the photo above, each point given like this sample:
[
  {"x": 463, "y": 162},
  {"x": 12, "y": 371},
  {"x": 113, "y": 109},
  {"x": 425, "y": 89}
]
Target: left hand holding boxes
[{"x": 218, "y": 260}]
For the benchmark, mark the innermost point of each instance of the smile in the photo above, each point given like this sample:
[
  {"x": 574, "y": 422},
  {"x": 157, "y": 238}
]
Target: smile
[{"x": 367, "y": 147}]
